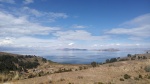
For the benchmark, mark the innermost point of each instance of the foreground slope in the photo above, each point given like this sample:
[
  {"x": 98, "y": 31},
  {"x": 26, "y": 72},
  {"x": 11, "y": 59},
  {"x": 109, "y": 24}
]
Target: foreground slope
[
  {"x": 14, "y": 67},
  {"x": 122, "y": 72}
]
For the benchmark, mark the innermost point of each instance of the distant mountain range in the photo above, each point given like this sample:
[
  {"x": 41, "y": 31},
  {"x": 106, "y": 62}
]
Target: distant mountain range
[
  {"x": 77, "y": 49},
  {"x": 109, "y": 49},
  {"x": 73, "y": 49}
]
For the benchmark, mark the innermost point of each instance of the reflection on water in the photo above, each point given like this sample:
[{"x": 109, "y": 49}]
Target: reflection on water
[
  {"x": 79, "y": 57},
  {"x": 86, "y": 57}
]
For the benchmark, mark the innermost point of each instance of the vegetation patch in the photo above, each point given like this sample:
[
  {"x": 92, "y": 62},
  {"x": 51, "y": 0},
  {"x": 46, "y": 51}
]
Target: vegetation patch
[
  {"x": 121, "y": 79},
  {"x": 126, "y": 76},
  {"x": 147, "y": 68}
]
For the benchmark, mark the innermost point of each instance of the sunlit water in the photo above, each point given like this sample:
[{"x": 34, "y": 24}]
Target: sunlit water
[
  {"x": 80, "y": 57},
  {"x": 86, "y": 57}
]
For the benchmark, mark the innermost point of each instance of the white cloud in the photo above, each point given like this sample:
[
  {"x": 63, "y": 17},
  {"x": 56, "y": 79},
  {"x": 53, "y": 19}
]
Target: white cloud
[
  {"x": 78, "y": 26},
  {"x": 34, "y": 43},
  {"x": 31, "y": 11},
  {"x": 138, "y": 27},
  {"x": 18, "y": 26},
  {"x": 57, "y": 15},
  {"x": 8, "y": 1},
  {"x": 139, "y": 21},
  {"x": 77, "y": 35},
  {"x": 28, "y": 1},
  {"x": 135, "y": 38},
  {"x": 70, "y": 44},
  {"x": 5, "y": 42},
  {"x": 40, "y": 15},
  {"x": 142, "y": 31}
]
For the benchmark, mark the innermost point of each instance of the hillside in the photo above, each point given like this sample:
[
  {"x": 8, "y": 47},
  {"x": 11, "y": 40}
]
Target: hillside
[
  {"x": 133, "y": 69},
  {"x": 13, "y": 62},
  {"x": 19, "y": 67},
  {"x": 125, "y": 72}
]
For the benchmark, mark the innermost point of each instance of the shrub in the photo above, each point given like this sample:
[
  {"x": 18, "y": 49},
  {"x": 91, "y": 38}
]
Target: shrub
[
  {"x": 147, "y": 68},
  {"x": 140, "y": 76},
  {"x": 121, "y": 79},
  {"x": 31, "y": 76},
  {"x": 70, "y": 83},
  {"x": 94, "y": 64},
  {"x": 129, "y": 55},
  {"x": 80, "y": 67},
  {"x": 44, "y": 60},
  {"x": 100, "y": 83},
  {"x": 135, "y": 78},
  {"x": 107, "y": 60},
  {"x": 112, "y": 60},
  {"x": 62, "y": 79},
  {"x": 80, "y": 77},
  {"x": 126, "y": 76},
  {"x": 148, "y": 77}
]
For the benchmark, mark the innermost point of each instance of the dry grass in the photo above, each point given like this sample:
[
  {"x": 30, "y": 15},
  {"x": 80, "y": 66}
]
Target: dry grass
[
  {"x": 9, "y": 77},
  {"x": 105, "y": 74},
  {"x": 111, "y": 73}
]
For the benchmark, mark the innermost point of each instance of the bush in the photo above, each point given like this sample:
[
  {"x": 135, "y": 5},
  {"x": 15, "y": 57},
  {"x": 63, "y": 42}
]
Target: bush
[
  {"x": 147, "y": 68},
  {"x": 100, "y": 83},
  {"x": 44, "y": 60},
  {"x": 126, "y": 76},
  {"x": 94, "y": 64},
  {"x": 80, "y": 77},
  {"x": 121, "y": 79},
  {"x": 7, "y": 63},
  {"x": 140, "y": 76},
  {"x": 135, "y": 78},
  {"x": 111, "y": 60},
  {"x": 129, "y": 55},
  {"x": 107, "y": 60}
]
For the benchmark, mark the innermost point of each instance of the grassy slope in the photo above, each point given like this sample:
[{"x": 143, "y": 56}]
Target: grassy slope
[
  {"x": 106, "y": 73},
  {"x": 14, "y": 66},
  {"x": 25, "y": 69}
]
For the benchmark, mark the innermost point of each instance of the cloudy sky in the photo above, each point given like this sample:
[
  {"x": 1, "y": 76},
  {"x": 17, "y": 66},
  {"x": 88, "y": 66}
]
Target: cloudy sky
[{"x": 92, "y": 24}]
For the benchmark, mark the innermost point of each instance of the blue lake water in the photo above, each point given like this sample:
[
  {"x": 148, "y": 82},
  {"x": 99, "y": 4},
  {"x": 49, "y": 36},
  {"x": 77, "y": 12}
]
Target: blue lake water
[
  {"x": 86, "y": 57},
  {"x": 80, "y": 57}
]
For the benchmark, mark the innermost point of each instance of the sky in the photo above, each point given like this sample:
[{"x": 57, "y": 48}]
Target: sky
[{"x": 90, "y": 24}]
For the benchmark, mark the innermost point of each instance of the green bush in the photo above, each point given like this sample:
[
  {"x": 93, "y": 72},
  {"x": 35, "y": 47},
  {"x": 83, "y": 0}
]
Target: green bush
[
  {"x": 107, "y": 61},
  {"x": 126, "y": 76},
  {"x": 100, "y": 83},
  {"x": 129, "y": 55},
  {"x": 111, "y": 60},
  {"x": 94, "y": 64},
  {"x": 140, "y": 76},
  {"x": 121, "y": 79},
  {"x": 148, "y": 77}
]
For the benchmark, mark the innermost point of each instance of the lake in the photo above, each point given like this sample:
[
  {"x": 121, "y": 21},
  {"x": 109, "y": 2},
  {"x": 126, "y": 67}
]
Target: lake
[
  {"x": 80, "y": 57},
  {"x": 86, "y": 57}
]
